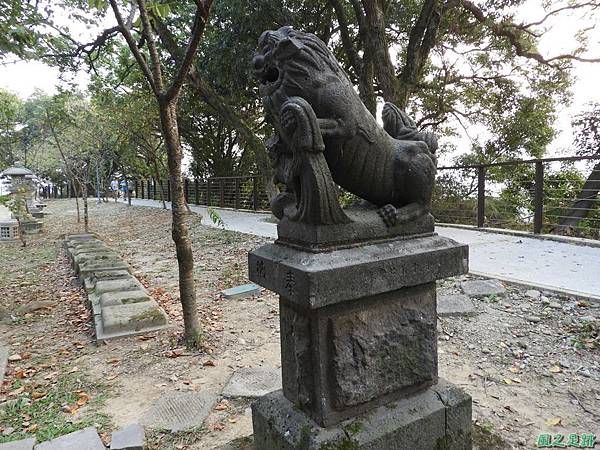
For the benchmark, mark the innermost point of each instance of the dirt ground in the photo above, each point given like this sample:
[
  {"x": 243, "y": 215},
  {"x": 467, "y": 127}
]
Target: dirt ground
[{"x": 531, "y": 365}]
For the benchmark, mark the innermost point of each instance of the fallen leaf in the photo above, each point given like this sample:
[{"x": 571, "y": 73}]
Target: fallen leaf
[
  {"x": 517, "y": 380},
  {"x": 514, "y": 370},
  {"x": 15, "y": 357},
  {"x": 216, "y": 427},
  {"x": 113, "y": 361},
  {"x": 209, "y": 363},
  {"x": 553, "y": 421},
  {"x": 20, "y": 374},
  {"x": 73, "y": 370},
  {"x": 555, "y": 369},
  {"x": 220, "y": 407},
  {"x": 232, "y": 420},
  {"x": 71, "y": 409},
  {"x": 507, "y": 381},
  {"x": 174, "y": 353},
  {"x": 17, "y": 391},
  {"x": 36, "y": 395},
  {"x": 83, "y": 399}
]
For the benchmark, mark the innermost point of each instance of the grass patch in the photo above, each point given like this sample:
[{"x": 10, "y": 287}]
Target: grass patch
[
  {"x": 586, "y": 335},
  {"x": 163, "y": 439},
  {"x": 44, "y": 417},
  {"x": 484, "y": 438}
]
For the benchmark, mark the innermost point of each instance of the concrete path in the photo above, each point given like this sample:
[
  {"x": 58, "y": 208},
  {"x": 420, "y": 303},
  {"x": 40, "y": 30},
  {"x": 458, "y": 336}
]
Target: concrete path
[{"x": 544, "y": 264}]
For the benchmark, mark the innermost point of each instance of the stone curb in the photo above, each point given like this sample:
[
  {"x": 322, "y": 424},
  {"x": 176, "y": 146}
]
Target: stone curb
[{"x": 120, "y": 305}]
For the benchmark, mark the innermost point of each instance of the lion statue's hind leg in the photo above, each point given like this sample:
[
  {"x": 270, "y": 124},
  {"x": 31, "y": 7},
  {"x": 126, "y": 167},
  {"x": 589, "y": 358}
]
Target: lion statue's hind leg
[{"x": 393, "y": 216}]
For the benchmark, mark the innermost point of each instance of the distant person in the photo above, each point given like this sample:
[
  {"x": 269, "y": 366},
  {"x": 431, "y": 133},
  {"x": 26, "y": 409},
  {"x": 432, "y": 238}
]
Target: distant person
[
  {"x": 114, "y": 187},
  {"x": 124, "y": 189}
]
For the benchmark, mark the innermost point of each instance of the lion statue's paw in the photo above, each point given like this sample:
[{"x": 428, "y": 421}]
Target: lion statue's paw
[{"x": 388, "y": 214}]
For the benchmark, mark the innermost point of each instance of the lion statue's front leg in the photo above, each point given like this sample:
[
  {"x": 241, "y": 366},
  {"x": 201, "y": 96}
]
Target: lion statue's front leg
[{"x": 301, "y": 166}]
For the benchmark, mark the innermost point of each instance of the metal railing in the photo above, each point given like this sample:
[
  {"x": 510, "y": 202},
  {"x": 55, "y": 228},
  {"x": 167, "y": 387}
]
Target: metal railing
[
  {"x": 239, "y": 192},
  {"x": 526, "y": 195}
]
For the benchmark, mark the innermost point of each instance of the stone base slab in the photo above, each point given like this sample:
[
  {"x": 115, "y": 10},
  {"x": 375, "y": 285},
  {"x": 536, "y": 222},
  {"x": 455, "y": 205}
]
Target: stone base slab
[
  {"x": 365, "y": 226},
  {"x": 438, "y": 418}
]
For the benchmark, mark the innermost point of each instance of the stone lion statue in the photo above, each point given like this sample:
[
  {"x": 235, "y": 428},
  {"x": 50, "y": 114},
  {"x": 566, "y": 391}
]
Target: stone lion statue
[{"x": 325, "y": 135}]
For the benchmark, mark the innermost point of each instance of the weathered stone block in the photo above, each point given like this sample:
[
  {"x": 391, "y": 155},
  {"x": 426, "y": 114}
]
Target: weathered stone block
[
  {"x": 23, "y": 444},
  {"x": 479, "y": 288},
  {"x": 87, "y": 247},
  {"x": 129, "y": 438},
  {"x": 426, "y": 420},
  {"x": 344, "y": 359},
  {"x": 86, "y": 439},
  {"x": 383, "y": 347},
  {"x": 90, "y": 282},
  {"x": 81, "y": 237},
  {"x": 455, "y": 305},
  {"x": 123, "y": 298},
  {"x": 132, "y": 317},
  {"x": 88, "y": 268},
  {"x": 110, "y": 274},
  {"x": 179, "y": 410},
  {"x": 365, "y": 226},
  {"x": 123, "y": 284},
  {"x": 253, "y": 382},
  {"x": 82, "y": 258},
  {"x": 245, "y": 290}
]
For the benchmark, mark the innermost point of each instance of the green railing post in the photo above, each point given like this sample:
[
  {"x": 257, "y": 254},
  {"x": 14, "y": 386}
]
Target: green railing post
[
  {"x": 538, "y": 214},
  {"x": 481, "y": 196}
]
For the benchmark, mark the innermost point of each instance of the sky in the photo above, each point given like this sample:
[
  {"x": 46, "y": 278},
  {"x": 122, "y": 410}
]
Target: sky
[{"x": 24, "y": 77}]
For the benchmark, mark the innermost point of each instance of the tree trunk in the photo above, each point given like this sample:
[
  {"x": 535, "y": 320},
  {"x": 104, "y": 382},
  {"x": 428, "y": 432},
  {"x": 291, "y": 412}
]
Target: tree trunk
[
  {"x": 377, "y": 50},
  {"x": 583, "y": 205},
  {"x": 224, "y": 111},
  {"x": 21, "y": 232},
  {"x": 77, "y": 204},
  {"x": 183, "y": 246},
  {"x": 84, "y": 195},
  {"x": 157, "y": 177}
]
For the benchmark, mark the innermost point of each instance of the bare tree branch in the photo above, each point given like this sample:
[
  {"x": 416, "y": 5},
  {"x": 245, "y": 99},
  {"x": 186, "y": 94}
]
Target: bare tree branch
[
  {"x": 125, "y": 31},
  {"x": 508, "y": 32},
  {"x": 200, "y": 18}
]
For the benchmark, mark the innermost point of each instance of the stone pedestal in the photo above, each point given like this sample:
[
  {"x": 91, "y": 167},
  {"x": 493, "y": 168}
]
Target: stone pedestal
[{"x": 359, "y": 347}]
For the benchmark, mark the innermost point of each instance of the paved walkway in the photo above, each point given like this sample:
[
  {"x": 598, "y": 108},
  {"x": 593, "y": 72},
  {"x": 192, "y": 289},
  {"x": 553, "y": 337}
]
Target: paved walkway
[{"x": 545, "y": 264}]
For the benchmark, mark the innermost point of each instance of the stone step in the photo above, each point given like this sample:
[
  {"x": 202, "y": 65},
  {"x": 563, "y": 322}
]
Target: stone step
[
  {"x": 129, "y": 438},
  {"x": 245, "y": 290}
]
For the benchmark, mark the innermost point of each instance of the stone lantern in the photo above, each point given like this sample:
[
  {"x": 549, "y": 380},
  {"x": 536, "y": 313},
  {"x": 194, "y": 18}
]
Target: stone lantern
[{"x": 22, "y": 191}]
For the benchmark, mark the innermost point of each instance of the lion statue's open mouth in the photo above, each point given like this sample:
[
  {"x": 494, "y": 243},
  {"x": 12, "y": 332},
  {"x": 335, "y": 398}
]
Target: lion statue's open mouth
[{"x": 265, "y": 68}]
